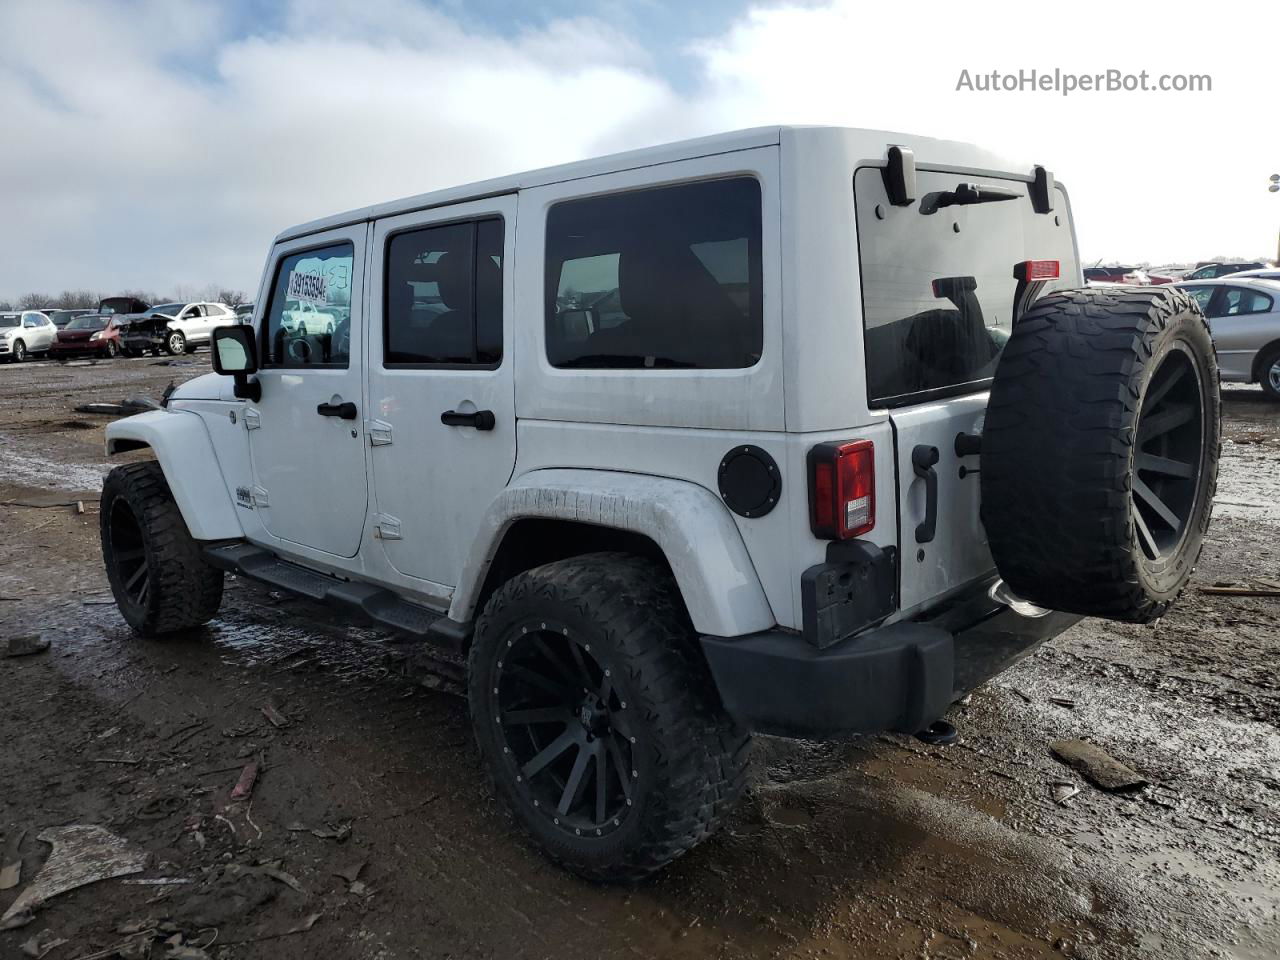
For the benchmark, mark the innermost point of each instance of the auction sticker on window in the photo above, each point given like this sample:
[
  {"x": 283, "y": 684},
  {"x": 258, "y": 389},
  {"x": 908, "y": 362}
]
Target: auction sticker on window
[{"x": 308, "y": 287}]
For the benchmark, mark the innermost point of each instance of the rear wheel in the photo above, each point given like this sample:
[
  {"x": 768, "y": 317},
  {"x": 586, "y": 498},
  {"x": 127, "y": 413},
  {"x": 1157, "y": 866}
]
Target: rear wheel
[
  {"x": 175, "y": 343},
  {"x": 1269, "y": 370},
  {"x": 157, "y": 572},
  {"x": 1100, "y": 451},
  {"x": 598, "y": 719}
]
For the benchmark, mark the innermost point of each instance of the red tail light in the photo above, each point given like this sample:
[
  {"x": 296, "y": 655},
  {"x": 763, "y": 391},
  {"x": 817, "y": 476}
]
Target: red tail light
[
  {"x": 842, "y": 489},
  {"x": 1030, "y": 270}
]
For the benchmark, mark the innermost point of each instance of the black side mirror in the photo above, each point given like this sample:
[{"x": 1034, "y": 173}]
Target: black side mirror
[{"x": 235, "y": 354}]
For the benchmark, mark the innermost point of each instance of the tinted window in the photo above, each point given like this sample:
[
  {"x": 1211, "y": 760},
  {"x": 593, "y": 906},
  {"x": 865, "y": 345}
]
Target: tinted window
[
  {"x": 938, "y": 302},
  {"x": 1203, "y": 295},
  {"x": 1237, "y": 300},
  {"x": 305, "y": 283},
  {"x": 666, "y": 277},
  {"x": 443, "y": 297}
]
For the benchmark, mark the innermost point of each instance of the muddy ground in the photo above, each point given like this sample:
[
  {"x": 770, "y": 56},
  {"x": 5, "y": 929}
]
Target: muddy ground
[{"x": 879, "y": 848}]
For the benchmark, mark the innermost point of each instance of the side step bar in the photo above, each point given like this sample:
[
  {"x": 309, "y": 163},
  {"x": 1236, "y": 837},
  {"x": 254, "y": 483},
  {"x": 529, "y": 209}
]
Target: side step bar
[{"x": 376, "y": 603}]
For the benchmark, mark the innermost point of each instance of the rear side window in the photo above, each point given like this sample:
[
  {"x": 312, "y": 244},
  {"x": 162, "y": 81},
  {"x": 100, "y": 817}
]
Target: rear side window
[
  {"x": 1237, "y": 300},
  {"x": 668, "y": 277},
  {"x": 307, "y": 282},
  {"x": 443, "y": 296}
]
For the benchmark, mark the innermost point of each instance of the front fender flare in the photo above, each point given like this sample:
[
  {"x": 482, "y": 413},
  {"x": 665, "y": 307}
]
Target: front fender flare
[
  {"x": 182, "y": 445},
  {"x": 699, "y": 539}
]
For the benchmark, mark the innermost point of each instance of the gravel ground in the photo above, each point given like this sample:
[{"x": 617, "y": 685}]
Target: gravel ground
[{"x": 882, "y": 847}]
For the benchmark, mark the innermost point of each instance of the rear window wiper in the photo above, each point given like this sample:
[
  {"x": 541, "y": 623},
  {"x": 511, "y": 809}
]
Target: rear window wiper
[{"x": 967, "y": 193}]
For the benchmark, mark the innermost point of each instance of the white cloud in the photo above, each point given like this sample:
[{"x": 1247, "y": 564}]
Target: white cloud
[{"x": 151, "y": 148}]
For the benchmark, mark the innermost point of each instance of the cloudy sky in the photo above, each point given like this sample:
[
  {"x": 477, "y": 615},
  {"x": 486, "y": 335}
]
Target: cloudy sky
[{"x": 158, "y": 143}]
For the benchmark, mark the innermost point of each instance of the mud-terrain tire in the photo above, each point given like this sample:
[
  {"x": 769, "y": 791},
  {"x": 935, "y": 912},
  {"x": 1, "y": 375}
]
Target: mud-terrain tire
[
  {"x": 619, "y": 681},
  {"x": 1269, "y": 373},
  {"x": 175, "y": 342},
  {"x": 1100, "y": 451},
  {"x": 158, "y": 575}
]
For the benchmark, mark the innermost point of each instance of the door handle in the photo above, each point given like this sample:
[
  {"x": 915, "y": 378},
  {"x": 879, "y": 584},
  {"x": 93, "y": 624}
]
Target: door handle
[
  {"x": 923, "y": 460},
  {"x": 347, "y": 411},
  {"x": 481, "y": 419}
]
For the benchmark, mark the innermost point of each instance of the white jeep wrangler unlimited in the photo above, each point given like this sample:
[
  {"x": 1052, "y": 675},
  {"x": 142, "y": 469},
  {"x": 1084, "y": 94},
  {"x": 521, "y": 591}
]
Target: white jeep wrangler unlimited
[{"x": 798, "y": 431}]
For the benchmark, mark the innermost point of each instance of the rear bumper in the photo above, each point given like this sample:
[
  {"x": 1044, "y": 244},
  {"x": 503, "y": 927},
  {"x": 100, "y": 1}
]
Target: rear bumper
[{"x": 901, "y": 677}]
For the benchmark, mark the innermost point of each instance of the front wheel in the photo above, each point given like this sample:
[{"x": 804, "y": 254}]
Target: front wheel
[
  {"x": 112, "y": 349},
  {"x": 176, "y": 343},
  {"x": 598, "y": 719},
  {"x": 19, "y": 352},
  {"x": 158, "y": 575}
]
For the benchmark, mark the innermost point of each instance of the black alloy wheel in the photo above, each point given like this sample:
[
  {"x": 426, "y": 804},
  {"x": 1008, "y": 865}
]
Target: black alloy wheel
[
  {"x": 1170, "y": 446},
  {"x": 563, "y": 724}
]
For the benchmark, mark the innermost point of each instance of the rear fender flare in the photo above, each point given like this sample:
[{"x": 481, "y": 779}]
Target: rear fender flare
[
  {"x": 690, "y": 525},
  {"x": 181, "y": 443}
]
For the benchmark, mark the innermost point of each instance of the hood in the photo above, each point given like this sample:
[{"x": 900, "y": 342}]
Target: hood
[{"x": 210, "y": 386}]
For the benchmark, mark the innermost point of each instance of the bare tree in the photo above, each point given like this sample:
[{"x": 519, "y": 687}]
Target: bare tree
[
  {"x": 231, "y": 297},
  {"x": 34, "y": 301},
  {"x": 76, "y": 299}
]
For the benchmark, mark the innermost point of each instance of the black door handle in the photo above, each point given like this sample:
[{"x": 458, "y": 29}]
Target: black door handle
[
  {"x": 923, "y": 459},
  {"x": 481, "y": 419},
  {"x": 347, "y": 411}
]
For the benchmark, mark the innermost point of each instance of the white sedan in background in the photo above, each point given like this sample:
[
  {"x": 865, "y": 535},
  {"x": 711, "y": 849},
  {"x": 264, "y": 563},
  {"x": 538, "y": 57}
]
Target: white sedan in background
[{"x": 1244, "y": 317}]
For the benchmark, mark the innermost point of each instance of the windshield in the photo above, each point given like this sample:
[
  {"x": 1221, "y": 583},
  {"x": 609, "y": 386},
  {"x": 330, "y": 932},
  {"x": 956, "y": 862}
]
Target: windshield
[
  {"x": 938, "y": 283},
  {"x": 87, "y": 323},
  {"x": 10, "y": 320},
  {"x": 168, "y": 309}
]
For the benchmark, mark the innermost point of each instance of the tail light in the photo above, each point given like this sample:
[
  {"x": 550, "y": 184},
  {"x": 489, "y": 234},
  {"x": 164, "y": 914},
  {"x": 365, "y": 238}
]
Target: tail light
[
  {"x": 842, "y": 489},
  {"x": 1030, "y": 270}
]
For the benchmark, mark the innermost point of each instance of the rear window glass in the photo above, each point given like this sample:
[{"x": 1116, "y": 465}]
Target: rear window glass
[
  {"x": 668, "y": 277},
  {"x": 938, "y": 282}
]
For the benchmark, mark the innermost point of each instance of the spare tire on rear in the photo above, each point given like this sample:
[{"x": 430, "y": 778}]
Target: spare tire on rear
[{"x": 1100, "y": 451}]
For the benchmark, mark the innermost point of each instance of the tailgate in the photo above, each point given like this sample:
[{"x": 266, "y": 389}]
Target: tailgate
[{"x": 941, "y": 278}]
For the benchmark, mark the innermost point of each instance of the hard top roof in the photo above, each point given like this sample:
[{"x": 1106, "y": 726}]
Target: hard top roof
[{"x": 875, "y": 142}]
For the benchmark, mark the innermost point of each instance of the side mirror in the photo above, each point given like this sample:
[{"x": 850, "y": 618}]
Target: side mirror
[{"x": 235, "y": 354}]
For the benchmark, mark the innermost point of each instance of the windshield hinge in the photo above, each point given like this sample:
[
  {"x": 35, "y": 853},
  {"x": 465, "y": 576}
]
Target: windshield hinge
[
  {"x": 1042, "y": 190},
  {"x": 900, "y": 176},
  {"x": 252, "y": 419},
  {"x": 379, "y": 433},
  {"x": 387, "y": 527}
]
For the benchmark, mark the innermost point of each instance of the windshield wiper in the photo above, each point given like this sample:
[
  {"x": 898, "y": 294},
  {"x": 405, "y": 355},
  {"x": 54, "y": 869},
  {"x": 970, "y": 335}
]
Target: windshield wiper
[{"x": 967, "y": 193}]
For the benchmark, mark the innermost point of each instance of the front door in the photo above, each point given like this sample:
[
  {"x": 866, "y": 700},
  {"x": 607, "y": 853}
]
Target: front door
[
  {"x": 441, "y": 397},
  {"x": 306, "y": 434}
]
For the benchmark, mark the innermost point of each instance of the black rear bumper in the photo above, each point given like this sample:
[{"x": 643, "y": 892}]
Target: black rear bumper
[{"x": 901, "y": 677}]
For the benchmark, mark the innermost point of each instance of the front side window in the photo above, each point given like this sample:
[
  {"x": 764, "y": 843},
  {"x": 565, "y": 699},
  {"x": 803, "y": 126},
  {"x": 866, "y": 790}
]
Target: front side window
[
  {"x": 667, "y": 277},
  {"x": 1203, "y": 295},
  {"x": 443, "y": 298},
  {"x": 299, "y": 332}
]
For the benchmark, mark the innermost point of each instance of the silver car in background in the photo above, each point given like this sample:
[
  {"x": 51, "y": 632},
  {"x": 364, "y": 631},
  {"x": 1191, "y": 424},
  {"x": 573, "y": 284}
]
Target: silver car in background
[{"x": 1244, "y": 317}]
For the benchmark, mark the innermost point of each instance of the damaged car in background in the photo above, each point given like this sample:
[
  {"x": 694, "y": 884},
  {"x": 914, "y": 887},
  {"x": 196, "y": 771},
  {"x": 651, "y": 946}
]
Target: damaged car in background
[{"x": 175, "y": 328}]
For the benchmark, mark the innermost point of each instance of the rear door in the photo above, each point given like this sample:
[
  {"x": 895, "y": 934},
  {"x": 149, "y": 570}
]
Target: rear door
[
  {"x": 939, "y": 287},
  {"x": 306, "y": 433},
  {"x": 441, "y": 394}
]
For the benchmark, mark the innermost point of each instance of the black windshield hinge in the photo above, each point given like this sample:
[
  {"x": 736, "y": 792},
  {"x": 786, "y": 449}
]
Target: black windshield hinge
[
  {"x": 900, "y": 176},
  {"x": 1042, "y": 187}
]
